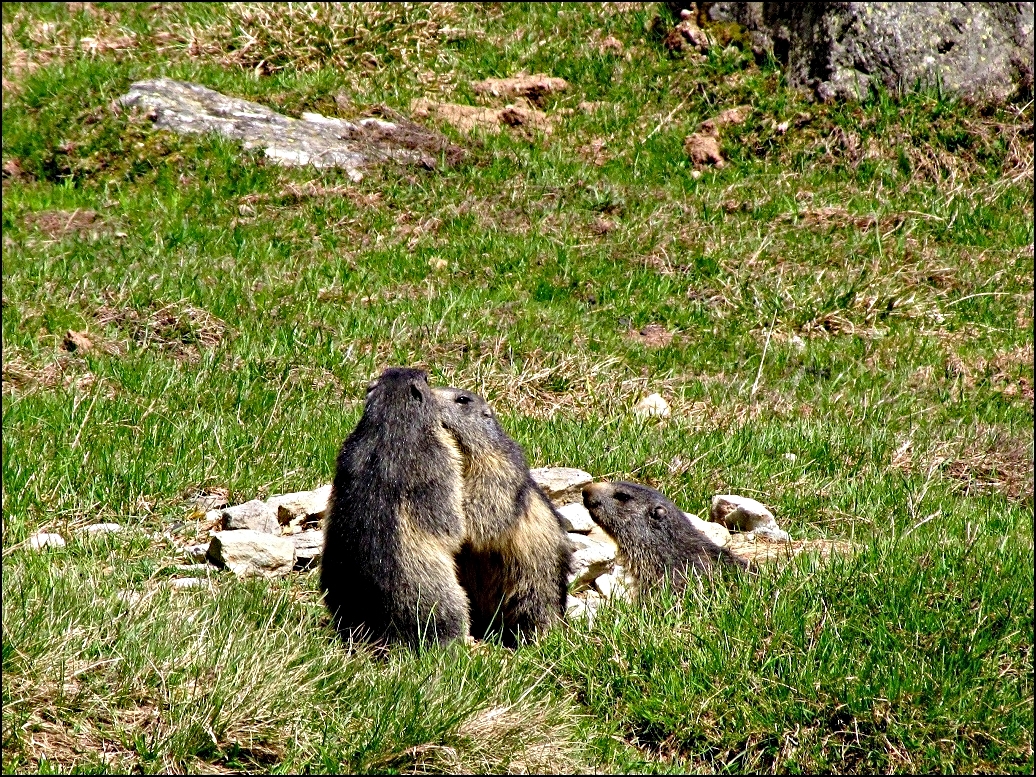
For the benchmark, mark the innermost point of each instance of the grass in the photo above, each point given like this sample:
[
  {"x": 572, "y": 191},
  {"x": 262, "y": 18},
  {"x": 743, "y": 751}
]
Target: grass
[{"x": 854, "y": 286}]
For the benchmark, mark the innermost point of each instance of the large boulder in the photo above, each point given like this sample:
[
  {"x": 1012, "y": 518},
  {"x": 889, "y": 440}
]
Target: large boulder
[{"x": 980, "y": 51}]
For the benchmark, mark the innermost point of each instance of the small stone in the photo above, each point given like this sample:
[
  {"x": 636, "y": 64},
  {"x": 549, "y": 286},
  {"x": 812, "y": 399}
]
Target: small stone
[
  {"x": 309, "y": 548},
  {"x": 696, "y": 174},
  {"x": 562, "y": 485},
  {"x": 249, "y": 553},
  {"x": 716, "y": 532},
  {"x": 95, "y": 529},
  {"x": 255, "y": 515},
  {"x": 590, "y": 560},
  {"x": 180, "y": 583},
  {"x": 129, "y": 598},
  {"x": 797, "y": 343},
  {"x": 740, "y": 513},
  {"x": 790, "y": 457},
  {"x": 198, "y": 569},
  {"x": 652, "y": 406},
  {"x": 305, "y": 505},
  {"x": 197, "y": 553},
  {"x": 576, "y": 518},
  {"x": 611, "y": 586},
  {"x": 41, "y": 540}
]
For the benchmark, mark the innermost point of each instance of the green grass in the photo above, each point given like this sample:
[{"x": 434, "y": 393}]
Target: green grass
[{"x": 879, "y": 255}]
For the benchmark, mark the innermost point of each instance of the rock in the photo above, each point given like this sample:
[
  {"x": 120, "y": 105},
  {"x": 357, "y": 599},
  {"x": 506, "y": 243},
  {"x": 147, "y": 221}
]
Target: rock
[
  {"x": 576, "y": 518},
  {"x": 584, "y": 605},
  {"x": 716, "y": 532},
  {"x": 790, "y": 457},
  {"x": 304, "y": 505},
  {"x": 249, "y": 553},
  {"x": 562, "y": 485},
  {"x": 309, "y": 547},
  {"x": 590, "y": 560},
  {"x": 129, "y": 598},
  {"x": 77, "y": 341},
  {"x": 610, "y": 585},
  {"x": 41, "y": 540},
  {"x": 313, "y": 140},
  {"x": 96, "y": 529},
  {"x": 181, "y": 583},
  {"x": 980, "y": 51},
  {"x": 197, "y": 553},
  {"x": 747, "y": 515},
  {"x": 255, "y": 515},
  {"x": 652, "y": 406},
  {"x": 760, "y": 552},
  {"x": 703, "y": 150}
]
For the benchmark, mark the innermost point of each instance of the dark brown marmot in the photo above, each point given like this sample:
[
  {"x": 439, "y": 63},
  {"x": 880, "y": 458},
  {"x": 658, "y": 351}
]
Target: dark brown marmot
[
  {"x": 654, "y": 537},
  {"x": 395, "y": 523},
  {"x": 516, "y": 557}
]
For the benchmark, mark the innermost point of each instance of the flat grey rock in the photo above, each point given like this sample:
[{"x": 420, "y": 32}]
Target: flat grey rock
[
  {"x": 590, "y": 560},
  {"x": 309, "y": 548},
  {"x": 249, "y": 553},
  {"x": 315, "y": 140},
  {"x": 562, "y": 485},
  {"x": 576, "y": 518},
  {"x": 255, "y": 515},
  {"x": 301, "y": 504},
  {"x": 741, "y": 513}
]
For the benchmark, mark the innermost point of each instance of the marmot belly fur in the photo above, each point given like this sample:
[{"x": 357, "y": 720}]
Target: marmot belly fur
[
  {"x": 654, "y": 537},
  {"x": 516, "y": 557},
  {"x": 395, "y": 523}
]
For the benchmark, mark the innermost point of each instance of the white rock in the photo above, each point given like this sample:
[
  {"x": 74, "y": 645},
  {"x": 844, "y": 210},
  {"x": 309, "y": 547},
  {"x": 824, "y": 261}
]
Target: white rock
[
  {"x": 41, "y": 540},
  {"x": 129, "y": 598},
  {"x": 652, "y": 406},
  {"x": 99, "y": 528},
  {"x": 740, "y": 513},
  {"x": 590, "y": 560},
  {"x": 716, "y": 532},
  {"x": 790, "y": 457},
  {"x": 249, "y": 553},
  {"x": 255, "y": 515},
  {"x": 180, "y": 583},
  {"x": 576, "y": 518},
  {"x": 562, "y": 485},
  {"x": 612, "y": 586},
  {"x": 309, "y": 548},
  {"x": 301, "y": 504},
  {"x": 797, "y": 343}
]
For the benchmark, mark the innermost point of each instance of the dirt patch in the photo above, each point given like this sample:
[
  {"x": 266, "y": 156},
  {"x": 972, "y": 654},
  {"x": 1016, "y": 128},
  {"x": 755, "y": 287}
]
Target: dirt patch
[
  {"x": 703, "y": 150},
  {"x": 835, "y": 216},
  {"x": 56, "y": 224},
  {"x": 69, "y": 372},
  {"x": 469, "y": 117},
  {"x": 651, "y": 336},
  {"x": 533, "y": 88},
  {"x": 179, "y": 328}
]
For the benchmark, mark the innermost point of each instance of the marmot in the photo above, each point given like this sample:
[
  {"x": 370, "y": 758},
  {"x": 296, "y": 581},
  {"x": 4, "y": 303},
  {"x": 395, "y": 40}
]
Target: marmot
[
  {"x": 654, "y": 537},
  {"x": 395, "y": 522},
  {"x": 516, "y": 557}
]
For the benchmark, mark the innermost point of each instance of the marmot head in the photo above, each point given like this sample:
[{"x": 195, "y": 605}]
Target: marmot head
[
  {"x": 634, "y": 516},
  {"x": 468, "y": 417},
  {"x": 401, "y": 390}
]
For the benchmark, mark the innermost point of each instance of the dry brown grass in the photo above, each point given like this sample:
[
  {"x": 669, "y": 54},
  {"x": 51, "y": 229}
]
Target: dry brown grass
[{"x": 178, "y": 327}]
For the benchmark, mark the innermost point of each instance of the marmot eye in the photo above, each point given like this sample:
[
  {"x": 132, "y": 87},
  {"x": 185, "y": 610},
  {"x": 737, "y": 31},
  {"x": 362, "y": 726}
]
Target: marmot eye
[
  {"x": 658, "y": 511},
  {"x": 462, "y": 399},
  {"x": 622, "y": 496}
]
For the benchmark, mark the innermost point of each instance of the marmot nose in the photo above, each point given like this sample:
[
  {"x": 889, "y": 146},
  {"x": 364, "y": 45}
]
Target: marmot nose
[{"x": 589, "y": 500}]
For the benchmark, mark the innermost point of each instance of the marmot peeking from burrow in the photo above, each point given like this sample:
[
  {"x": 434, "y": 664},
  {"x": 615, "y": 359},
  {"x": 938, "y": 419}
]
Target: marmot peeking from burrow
[
  {"x": 516, "y": 557},
  {"x": 395, "y": 523},
  {"x": 654, "y": 537}
]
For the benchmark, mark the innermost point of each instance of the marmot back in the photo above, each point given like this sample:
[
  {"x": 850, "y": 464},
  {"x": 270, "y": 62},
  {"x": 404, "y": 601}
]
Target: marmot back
[
  {"x": 516, "y": 556},
  {"x": 654, "y": 537},
  {"x": 395, "y": 522}
]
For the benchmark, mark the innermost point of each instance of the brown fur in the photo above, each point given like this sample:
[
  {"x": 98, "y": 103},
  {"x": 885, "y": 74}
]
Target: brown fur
[{"x": 516, "y": 557}]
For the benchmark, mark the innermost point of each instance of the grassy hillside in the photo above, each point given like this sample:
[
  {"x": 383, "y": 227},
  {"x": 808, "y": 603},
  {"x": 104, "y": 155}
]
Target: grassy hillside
[{"x": 854, "y": 287}]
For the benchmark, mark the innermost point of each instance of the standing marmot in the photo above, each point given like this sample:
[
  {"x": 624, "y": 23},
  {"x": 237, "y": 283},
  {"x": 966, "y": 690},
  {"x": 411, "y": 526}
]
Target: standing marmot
[
  {"x": 654, "y": 537},
  {"x": 395, "y": 523},
  {"x": 516, "y": 556}
]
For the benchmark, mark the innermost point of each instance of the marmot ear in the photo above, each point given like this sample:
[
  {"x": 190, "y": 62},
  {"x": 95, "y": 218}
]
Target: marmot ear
[
  {"x": 415, "y": 392},
  {"x": 658, "y": 512}
]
